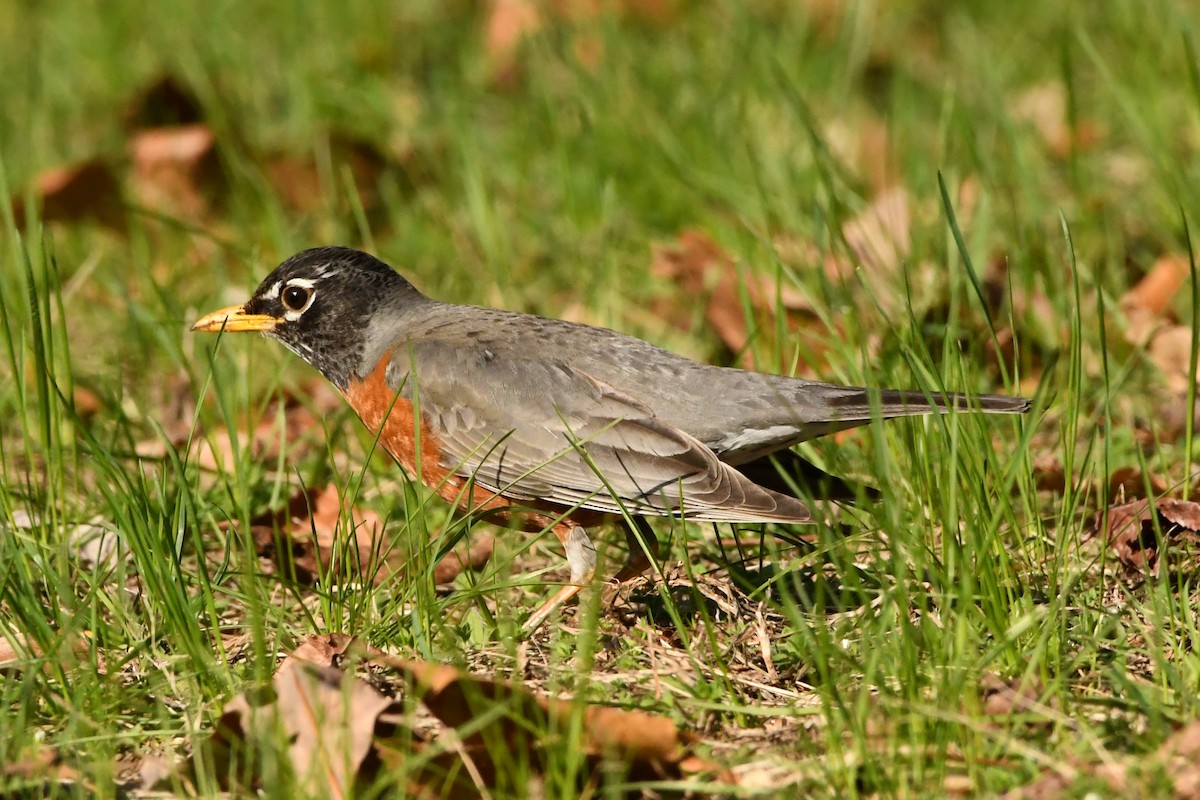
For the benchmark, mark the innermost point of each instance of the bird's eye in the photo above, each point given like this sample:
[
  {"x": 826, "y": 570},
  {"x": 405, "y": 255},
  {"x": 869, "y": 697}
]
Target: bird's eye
[{"x": 296, "y": 298}]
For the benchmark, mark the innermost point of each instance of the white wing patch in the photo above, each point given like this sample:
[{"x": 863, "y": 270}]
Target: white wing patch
[{"x": 750, "y": 439}]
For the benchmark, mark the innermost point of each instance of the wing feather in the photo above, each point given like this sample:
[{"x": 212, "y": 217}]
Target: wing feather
[{"x": 537, "y": 430}]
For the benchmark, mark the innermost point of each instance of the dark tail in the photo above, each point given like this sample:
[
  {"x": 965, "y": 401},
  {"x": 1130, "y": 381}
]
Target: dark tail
[{"x": 859, "y": 404}]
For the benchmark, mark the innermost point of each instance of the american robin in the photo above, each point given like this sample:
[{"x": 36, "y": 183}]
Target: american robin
[{"x": 567, "y": 424}]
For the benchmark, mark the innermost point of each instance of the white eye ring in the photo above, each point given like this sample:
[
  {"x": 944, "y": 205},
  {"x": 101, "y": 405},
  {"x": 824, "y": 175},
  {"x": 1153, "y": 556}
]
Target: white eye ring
[{"x": 297, "y": 296}]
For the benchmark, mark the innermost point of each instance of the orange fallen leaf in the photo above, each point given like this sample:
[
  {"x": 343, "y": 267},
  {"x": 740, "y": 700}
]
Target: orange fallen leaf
[
  {"x": 880, "y": 236},
  {"x": 1005, "y": 697},
  {"x": 86, "y": 402},
  {"x": 1171, "y": 351},
  {"x": 1044, "y": 107},
  {"x": 651, "y": 747},
  {"x": 312, "y": 542},
  {"x": 302, "y": 185},
  {"x": 1158, "y": 287},
  {"x": 1129, "y": 483},
  {"x": 18, "y": 651},
  {"x": 509, "y": 22},
  {"x": 176, "y": 169},
  {"x": 337, "y": 731},
  {"x": 1147, "y": 305},
  {"x": 89, "y": 190},
  {"x": 1132, "y": 529},
  {"x": 702, "y": 268},
  {"x": 312, "y": 537},
  {"x": 323, "y": 650},
  {"x": 326, "y": 718}
]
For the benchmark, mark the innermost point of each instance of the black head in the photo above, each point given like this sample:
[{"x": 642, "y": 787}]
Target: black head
[{"x": 320, "y": 304}]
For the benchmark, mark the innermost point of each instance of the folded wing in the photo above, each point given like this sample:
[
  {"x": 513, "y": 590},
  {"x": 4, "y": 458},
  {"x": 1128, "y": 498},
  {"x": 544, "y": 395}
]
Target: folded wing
[{"x": 533, "y": 429}]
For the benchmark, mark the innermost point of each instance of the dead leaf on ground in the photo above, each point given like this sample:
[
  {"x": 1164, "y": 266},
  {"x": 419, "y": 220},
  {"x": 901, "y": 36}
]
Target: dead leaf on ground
[
  {"x": 302, "y": 185},
  {"x": 1049, "y": 474},
  {"x": 86, "y": 191},
  {"x": 879, "y": 237},
  {"x": 176, "y": 170},
  {"x": 1013, "y": 696},
  {"x": 43, "y": 773},
  {"x": 1171, "y": 351},
  {"x": 86, "y": 402},
  {"x": 326, "y": 718},
  {"x": 163, "y": 102},
  {"x": 215, "y": 451},
  {"x": 17, "y": 652},
  {"x": 1180, "y": 758},
  {"x": 310, "y": 540},
  {"x": 1044, "y": 107},
  {"x": 310, "y": 528},
  {"x": 338, "y": 731},
  {"x": 1147, "y": 305},
  {"x": 1130, "y": 483},
  {"x": 1177, "y": 760},
  {"x": 702, "y": 269},
  {"x": 1132, "y": 526},
  {"x": 478, "y": 554},
  {"x": 509, "y": 23},
  {"x": 325, "y": 650},
  {"x": 651, "y": 747}
]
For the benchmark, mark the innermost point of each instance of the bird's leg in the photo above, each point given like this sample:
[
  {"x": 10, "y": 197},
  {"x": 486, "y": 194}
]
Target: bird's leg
[
  {"x": 581, "y": 558},
  {"x": 643, "y": 549},
  {"x": 643, "y": 552}
]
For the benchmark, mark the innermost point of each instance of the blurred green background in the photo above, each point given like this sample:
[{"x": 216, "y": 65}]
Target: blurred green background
[{"x": 555, "y": 158}]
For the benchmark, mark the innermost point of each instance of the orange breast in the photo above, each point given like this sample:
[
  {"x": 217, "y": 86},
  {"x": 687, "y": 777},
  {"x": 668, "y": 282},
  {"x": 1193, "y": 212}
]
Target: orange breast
[{"x": 393, "y": 419}]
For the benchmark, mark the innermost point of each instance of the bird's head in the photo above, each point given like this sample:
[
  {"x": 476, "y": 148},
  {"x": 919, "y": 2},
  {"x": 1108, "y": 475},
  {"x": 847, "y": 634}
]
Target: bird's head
[{"x": 323, "y": 305}]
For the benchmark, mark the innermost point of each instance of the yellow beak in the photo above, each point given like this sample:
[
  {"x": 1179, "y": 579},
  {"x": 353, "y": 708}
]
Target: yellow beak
[{"x": 235, "y": 320}]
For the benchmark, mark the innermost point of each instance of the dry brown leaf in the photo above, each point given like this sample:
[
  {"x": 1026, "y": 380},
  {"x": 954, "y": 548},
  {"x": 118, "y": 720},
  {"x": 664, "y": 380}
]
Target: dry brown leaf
[
  {"x": 1129, "y": 483},
  {"x": 1044, "y": 107},
  {"x": 310, "y": 528},
  {"x": 1147, "y": 305},
  {"x": 17, "y": 651},
  {"x": 1131, "y": 529},
  {"x": 479, "y": 553},
  {"x": 164, "y": 102},
  {"x": 337, "y": 729},
  {"x": 1180, "y": 758},
  {"x": 302, "y": 186},
  {"x": 214, "y": 451},
  {"x": 85, "y": 191},
  {"x": 1048, "y": 473},
  {"x": 1158, "y": 287},
  {"x": 1171, "y": 351},
  {"x": 86, "y": 402},
  {"x": 326, "y": 717},
  {"x": 42, "y": 773},
  {"x": 651, "y": 747},
  {"x": 1130, "y": 776},
  {"x": 324, "y": 650},
  {"x": 1006, "y": 697},
  {"x": 509, "y": 23},
  {"x": 701, "y": 268},
  {"x": 176, "y": 170},
  {"x": 880, "y": 236}
]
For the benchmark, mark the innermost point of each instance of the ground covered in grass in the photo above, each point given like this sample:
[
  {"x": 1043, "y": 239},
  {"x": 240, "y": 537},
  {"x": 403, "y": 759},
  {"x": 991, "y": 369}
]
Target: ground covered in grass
[{"x": 946, "y": 196}]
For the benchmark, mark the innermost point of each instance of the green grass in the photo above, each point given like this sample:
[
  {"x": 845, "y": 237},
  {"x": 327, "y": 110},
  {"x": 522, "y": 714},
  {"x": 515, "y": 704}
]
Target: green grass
[{"x": 549, "y": 197}]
